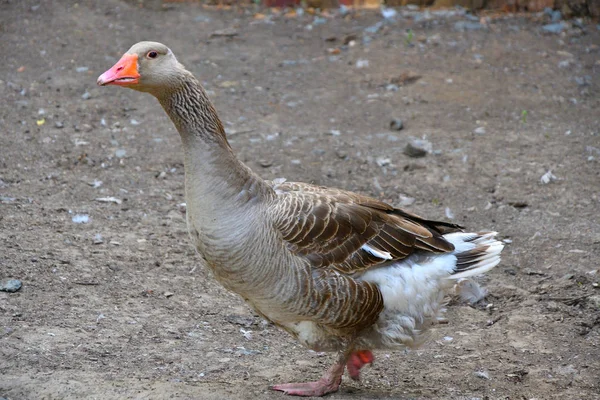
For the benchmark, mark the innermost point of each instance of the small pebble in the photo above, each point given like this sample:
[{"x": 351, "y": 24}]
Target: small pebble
[
  {"x": 86, "y": 95},
  {"x": 406, "y": 201},
  {"x": 341, "y": 154},
  {"x": 396, "y": 124},
  {"x": 554, "y": 28},
  {"x": 10, "y": 285},
  {"x": 467, "y": 26},
  {"x": 59, "y": 125},
  {"x": 362, "y": 63},
  {"x": 120, "y": 153},
  {"x": 417, "y": 148},
  {"x": 98, "y": 239},
  {"x": 482, "y": 374},
  {"x": 383, "y": 162},
  {"x": 80, "y": 218},
  {"x": 479, "y": 131},
  {"x": 547, "y": 178}
]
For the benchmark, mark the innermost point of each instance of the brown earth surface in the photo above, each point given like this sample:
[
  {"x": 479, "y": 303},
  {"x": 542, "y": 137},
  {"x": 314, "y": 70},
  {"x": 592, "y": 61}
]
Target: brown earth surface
[{"x": 138, "y": 317}]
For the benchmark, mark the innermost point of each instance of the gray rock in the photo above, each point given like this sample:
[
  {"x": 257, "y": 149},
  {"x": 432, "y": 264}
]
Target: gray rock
[
  {"x": 10, "y": 285},
  {"x": 422, "y": 16},
  {"x": 59, "y": 125},
  {"x": 555, "y": 28},
  {"x": 98, "y": 239},
  {"x": 374, "y": 28},
  {"x": 396, "y": 124},
  {"x": 417, "y": 148},
  {"x": 86, "y": 95},
  {"x": 556, "y": 16},
  {"x": 467, "y": 26},
  {"x": 120, "y": 153},
  {"x": 479, "y": 131}
]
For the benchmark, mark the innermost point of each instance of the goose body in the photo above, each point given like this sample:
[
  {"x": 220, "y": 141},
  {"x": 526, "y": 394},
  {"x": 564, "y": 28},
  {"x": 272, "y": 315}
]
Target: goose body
[{"x": 337, "y": 270}]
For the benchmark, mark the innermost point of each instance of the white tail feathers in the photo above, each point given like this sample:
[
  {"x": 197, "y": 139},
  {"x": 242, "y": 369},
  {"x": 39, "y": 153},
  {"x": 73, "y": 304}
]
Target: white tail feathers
[{"x": 476, "y": 253}]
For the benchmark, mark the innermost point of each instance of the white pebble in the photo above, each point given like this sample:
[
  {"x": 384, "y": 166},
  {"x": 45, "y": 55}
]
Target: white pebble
[
  {"x": 81, "y": 218},
  {"x": 548, "y": 177}
]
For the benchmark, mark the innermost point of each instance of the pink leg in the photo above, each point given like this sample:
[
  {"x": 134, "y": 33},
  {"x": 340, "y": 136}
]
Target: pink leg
[
  {"x": 356, "y": 361},
  {"x": 329, "y": 382}
]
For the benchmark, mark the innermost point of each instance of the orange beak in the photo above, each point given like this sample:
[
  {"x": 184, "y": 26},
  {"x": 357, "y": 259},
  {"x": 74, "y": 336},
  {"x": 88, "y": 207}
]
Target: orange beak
[{"x": 123, "y": 73}]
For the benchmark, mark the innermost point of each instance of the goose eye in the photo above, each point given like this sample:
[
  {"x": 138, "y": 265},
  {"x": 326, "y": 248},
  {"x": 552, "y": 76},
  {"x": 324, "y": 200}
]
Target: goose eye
[{"x": 152, "y": 54}]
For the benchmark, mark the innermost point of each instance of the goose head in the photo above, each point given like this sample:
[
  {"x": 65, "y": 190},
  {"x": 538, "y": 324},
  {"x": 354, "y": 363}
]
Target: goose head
[{"x": 147, "y": 67}]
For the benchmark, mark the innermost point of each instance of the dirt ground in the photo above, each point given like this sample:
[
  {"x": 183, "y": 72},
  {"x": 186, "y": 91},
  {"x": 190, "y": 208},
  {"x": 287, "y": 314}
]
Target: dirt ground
[{"x": 121, "y": 308}]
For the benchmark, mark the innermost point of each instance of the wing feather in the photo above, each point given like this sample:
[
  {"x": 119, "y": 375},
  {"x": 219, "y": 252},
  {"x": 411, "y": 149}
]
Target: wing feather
[{"x": 331, "y": 227}]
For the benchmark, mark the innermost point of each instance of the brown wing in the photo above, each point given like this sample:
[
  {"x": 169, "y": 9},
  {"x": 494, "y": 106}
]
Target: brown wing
[{"x": 349, "y": 232}]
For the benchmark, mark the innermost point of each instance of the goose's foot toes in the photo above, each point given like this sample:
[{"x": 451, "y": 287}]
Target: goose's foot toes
[
  {"x": 356, "y": 361},
  {"x": 317, "y": 388}
]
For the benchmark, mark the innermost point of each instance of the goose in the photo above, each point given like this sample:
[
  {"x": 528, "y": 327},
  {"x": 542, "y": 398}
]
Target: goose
[{"x": 339, "y": 271}]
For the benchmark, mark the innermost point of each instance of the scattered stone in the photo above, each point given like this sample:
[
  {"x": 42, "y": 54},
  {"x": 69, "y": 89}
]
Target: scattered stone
[
  {"x": 396, "y": 124},
  {"x": 247, "y": 333},
  {"x": 567, "y": 370},
  {"x": 470, "y": 291},
  {"x": 595, "y": 301},
  {"x": 86, "y": 95},
  {"x": 383, "y": 161},
  {"x": 81, "y": 69},
  {"x": 482, "y": 374},
  {"x": 95, "y": 183},
  {"x": 479, "y": 131},
  {"x": 134, "y": 122},
  {"x": 98, "y": 239},
  {"x": 334, "y": 132},
  {"x": 548, "y": 177},
  {"x": 556, "y": 16},
  {"x": 341, "y": 154},
  {"x": 463, "y": 26},
  {"x": 120, "y": 153},
  {"x": 81, "y": 218},
  {"x": 388, "y": 13},
  {"x": 265, "y": 163},
  {"x": 417, "y": 148},
  {"x": 362, "y": 63},
  {"x": 406, "y": 201},
  {"x": 554, "y": 28},
  {"x": 201, "y": 18},
  {"x": 449, "y": 213},
  {"x": 422, "y": 16},
  {"x": 583, "y": 81},
  {"x": 108, "y": 200},
  {"x": 10, "y": 285},
  {"x": 168, "y": 294},
  {"x": 227, "y": 32},
  {"x": 564, "y": 64},
  {"x": 59, "y": 125},
  {"x": 374, "y": 28}
]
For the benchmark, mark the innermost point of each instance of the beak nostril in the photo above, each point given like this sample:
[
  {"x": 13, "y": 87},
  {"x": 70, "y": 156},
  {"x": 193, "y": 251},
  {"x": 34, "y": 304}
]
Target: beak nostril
[{"x": 120, "y": 68}]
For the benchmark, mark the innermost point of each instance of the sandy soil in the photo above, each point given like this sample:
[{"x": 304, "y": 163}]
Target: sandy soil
[{"x": 138, "y": 317}]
